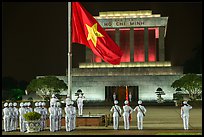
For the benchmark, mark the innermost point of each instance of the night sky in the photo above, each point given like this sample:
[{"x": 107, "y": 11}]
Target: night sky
[{"x": 34, "y": 34}]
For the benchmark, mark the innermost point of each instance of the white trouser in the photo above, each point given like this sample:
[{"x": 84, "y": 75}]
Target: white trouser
[
  {"x": 140, "y": 122},
  {"x": 68, "y": 123},
  {"x": 80, "y": 109},
  {"x": 43, "y": 123},
  {"x": 15, "y": 123},
  {"x": 53, "y": 120},
  {"x": 74, "y": 122},
  {"x": 126, "y": 120},
  {"x": 6, "y": 123},
  {"x": 115, "y": 122},
  {"x": 185, "y": 122},
  {"x": 22, "y": 124},
  {"x": 11, "y": 126},
  {"x": 60, "y": 120}
]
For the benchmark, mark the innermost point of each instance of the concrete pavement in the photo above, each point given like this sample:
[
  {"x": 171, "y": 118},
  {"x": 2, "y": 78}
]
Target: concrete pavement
[{"x": 158, "y": 119}]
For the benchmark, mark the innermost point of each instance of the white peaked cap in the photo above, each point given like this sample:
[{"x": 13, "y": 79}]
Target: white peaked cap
[
  {"x": 10, "y": 104},
  {"x": 25, "y": 104},
  {"x": 43, "y": 103},
  {"x": 115, "y": 102},
  {"x": 36, "y": 104},
  {"x": 21, "y": 104},
  {"x": 139, "y": 102},
  {"x": 53, "y": 95},
  {"x": 126, "y": 102},
  {"x": 28, "y": 103},
  {"x": 40, "y": 103},
  {"x": 5, "y": 104},
  {"x": 185, "y": 102},
  {"x": 15, "y": 104}
]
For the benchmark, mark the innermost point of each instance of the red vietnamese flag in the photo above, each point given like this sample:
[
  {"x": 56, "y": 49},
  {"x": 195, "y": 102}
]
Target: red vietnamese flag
[{"x": 87, "y": 31}]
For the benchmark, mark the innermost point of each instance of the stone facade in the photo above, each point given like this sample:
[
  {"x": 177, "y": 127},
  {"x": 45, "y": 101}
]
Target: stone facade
[{"x": 93, "y": 82}]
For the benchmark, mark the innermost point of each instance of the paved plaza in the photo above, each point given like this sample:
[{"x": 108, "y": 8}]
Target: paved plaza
[{"x": 158, "y": 120}]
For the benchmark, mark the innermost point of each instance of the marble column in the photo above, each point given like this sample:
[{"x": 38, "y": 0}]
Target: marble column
[
  {"x": 146, "y": 43},
  {"x": 161, "y": 44},
  {"x": 131, "y": 44}
]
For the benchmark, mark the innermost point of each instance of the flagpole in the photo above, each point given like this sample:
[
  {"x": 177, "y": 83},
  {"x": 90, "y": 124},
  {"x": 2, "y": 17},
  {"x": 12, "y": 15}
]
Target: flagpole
[{"x": 69, "y": 63}]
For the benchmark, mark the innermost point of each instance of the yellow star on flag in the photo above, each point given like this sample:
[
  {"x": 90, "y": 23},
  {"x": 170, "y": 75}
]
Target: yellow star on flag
[{"x": 93, "y": 33}]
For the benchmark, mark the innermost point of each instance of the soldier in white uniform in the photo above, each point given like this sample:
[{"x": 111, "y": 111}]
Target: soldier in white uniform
[
  {"x": 68, "y": 116},
  {"x": 127, "y": 110},
  {"x": 116, "y": 113},
  {"x": 140, "y": 110},
  {"x": 6, "y": 117},
  {"x": 53, "y": 117},
  {"x": 40, "y": 111},
  {"x": 73, "y": 115},
  {"x": 15, "y": 112},
  {"x": 80, "y": 104},
  {"x": 26, "y": 107},
  {"x": 185, "y": 114},
  {"x": 59, "y": 110},
  {"x": 22, "y": 111},
  {"x": 44, "y": 115},
  {"x": 11, "y": 126},
  {"x": 29, "y": 107}
]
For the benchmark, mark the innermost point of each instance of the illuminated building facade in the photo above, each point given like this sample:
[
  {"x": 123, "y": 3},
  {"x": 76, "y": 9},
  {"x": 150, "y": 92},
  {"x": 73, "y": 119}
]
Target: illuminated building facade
[{"x": 143, "y": 69}]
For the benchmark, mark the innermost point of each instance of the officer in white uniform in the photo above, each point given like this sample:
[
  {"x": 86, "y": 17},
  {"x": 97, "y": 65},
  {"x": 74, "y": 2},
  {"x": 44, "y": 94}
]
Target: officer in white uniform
[
  {"x": 29, "y": 107},
  {"x": 44, "y": 115},
  {"x": 116, "y": 113},
  {"x": 6, "y": 117},
  {"x": 68, "y": 117},
  {"x": 41, "y": 112},
  {"x": 22, "y": 111},
  {"x": 185, "y": 114},
  {"x": 80, "y": 104},
  {"x": 15, "y": 113},
  {"x": 127, "y": 110},
  {"x": 53, "y": 117},
  {"x": 140, "y": 110},
  {"x": 11, "y": 126},
  {"x": 26, "y": 107},
  {"x": 73, "y": 115},
  {"x": 59, "y": 110}
]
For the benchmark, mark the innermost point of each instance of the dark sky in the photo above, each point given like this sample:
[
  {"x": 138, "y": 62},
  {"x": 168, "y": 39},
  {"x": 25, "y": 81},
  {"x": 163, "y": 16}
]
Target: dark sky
[{"x": 34, "y": 34}]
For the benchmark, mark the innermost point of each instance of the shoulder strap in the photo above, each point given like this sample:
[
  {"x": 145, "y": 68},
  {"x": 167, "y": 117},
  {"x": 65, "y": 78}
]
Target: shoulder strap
[
  {"x": 141, "y": 110},
  {"x": 117, "y": 111}
]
